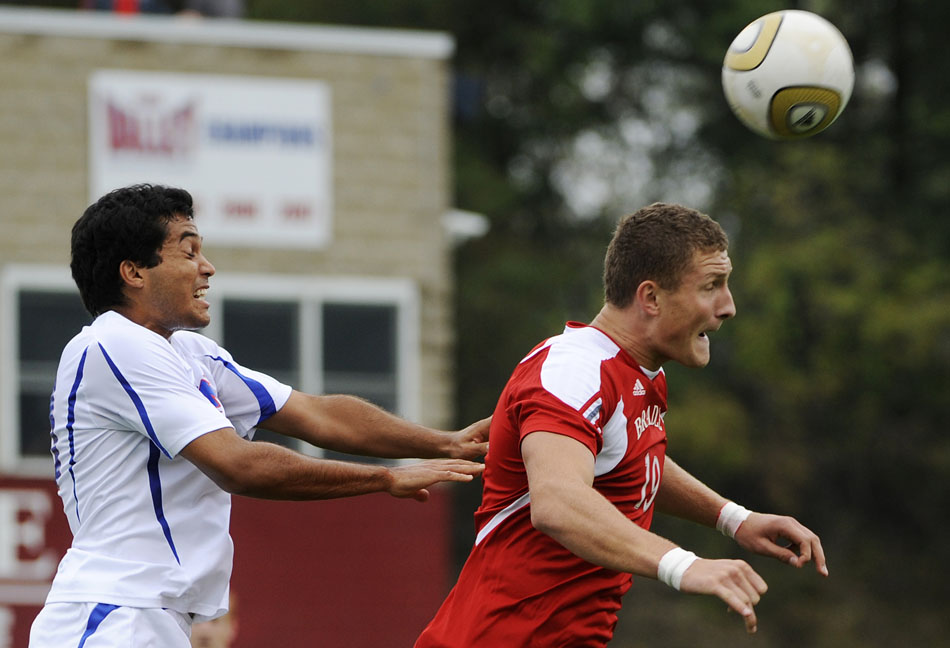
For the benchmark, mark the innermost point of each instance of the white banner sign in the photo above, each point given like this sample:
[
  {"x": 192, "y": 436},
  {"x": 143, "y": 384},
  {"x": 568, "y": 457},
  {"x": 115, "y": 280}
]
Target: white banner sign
[{"x": 255, "y": 153}]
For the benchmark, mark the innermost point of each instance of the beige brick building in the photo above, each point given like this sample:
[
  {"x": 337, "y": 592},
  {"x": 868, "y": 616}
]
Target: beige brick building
[
  {"x": 390, "y": 163},
  {"x": 359, "y": 302}
]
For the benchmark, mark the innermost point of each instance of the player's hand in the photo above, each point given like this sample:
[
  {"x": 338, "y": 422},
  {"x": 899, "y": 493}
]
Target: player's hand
[
  {"x": 783, "y": 538},
  {"x": 472, "y": 442},
  {"x": 734, "y": 581},
  {"x": 412, "y": 480}
]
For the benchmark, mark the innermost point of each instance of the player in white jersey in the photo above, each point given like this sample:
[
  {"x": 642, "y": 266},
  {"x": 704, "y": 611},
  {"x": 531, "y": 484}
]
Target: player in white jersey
[{"x": 151, "y": 427}]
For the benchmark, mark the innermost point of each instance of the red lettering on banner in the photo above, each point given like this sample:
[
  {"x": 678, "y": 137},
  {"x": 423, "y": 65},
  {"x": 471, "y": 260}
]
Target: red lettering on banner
[
  {"x": 23, "y": 551},
  {"x": 152, "y": 132},
  {"x": 34, "y": 535},
  {"x": 240, "y": 210},
  {"x": 296, "y": 212}
]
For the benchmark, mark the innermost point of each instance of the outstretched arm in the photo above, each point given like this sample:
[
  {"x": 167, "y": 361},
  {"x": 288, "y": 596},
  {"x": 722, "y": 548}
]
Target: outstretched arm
[
  {"x": 355, "y": 426},
  {"x": 270, "y": 471},
  {"x": 686, "y": 497},
  {"x": 566, "y": 507}
]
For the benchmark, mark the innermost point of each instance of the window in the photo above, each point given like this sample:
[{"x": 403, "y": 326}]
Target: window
[
  {"x": 353, "y": 335},
  {"x": 359, "y": 353},
  {"x": 47, "y": 322},
  {"x": 274, "y": 352}
]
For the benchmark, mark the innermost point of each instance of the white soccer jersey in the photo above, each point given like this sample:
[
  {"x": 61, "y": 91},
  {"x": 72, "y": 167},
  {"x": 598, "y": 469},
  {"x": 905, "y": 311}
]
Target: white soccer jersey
[{"x": 149, "y": 528}]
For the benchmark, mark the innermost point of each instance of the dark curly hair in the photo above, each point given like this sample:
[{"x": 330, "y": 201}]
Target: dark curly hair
[
  {"x": 657, "y": 243},
  {"x": 130, "y": 223}
]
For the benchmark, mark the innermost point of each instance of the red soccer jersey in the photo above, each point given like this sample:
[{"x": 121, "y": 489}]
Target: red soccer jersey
[{"x": 519, "y": 587}]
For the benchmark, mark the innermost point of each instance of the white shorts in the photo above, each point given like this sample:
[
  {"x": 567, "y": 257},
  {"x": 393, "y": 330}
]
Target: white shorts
[{"x": 97, "y": 625}]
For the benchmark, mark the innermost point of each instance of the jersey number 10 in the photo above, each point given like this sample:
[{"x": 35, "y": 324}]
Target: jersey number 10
[{"x": 651, "y": 481}]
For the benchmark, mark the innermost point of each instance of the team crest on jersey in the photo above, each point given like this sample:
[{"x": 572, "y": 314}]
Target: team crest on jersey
[{"x": 205, "y": 387}]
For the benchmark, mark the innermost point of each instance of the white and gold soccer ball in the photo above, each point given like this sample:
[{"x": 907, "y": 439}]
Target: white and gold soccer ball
[{"x": 788, "y": 74}]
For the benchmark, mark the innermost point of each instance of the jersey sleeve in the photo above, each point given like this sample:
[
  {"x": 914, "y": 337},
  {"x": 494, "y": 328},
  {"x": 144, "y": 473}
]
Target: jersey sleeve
[
  {"x": 247, "y": 396},
  {"x": 560, "y": 389},
  {"x": 537, "y": 410},
  {"x": 143, "y": 385}
]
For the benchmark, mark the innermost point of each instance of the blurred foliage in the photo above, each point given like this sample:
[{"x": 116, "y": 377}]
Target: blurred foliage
[{"x": 828, "y": 396}]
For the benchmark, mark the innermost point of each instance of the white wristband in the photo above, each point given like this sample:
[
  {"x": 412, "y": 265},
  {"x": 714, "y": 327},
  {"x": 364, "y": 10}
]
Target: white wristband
[
  {"x": 673, "y": 565},
  {"x": 731, "y": 517}
]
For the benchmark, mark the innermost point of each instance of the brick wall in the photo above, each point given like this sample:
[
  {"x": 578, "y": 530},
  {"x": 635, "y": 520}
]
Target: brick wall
[{"x": 390, "y": 137}]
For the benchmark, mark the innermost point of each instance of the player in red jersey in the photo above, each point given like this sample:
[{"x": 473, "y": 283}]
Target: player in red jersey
[{"x": 577, "y": 461}]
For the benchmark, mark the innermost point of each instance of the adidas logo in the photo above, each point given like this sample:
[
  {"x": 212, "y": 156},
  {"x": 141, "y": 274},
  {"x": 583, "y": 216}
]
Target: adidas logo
[{"x": 638, "y": 389}]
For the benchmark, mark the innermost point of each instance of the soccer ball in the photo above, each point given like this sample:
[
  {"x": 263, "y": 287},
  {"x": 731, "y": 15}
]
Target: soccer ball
[{"x": 788, "y": 74}]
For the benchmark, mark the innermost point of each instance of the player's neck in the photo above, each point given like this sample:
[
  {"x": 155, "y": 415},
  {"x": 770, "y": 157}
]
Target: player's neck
[
  {"x": 140, "y": 316},
  {"x": 627, "y": 328}
]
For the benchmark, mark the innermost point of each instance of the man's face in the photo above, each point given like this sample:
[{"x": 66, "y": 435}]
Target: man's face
[
  {"x": 175, "y": 289},
  {"x": 701, "y": 303}
]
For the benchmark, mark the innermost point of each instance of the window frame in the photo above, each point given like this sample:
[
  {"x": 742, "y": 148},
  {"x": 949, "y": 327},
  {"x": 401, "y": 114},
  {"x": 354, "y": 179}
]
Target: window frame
[{"x": 309, "y": 291}]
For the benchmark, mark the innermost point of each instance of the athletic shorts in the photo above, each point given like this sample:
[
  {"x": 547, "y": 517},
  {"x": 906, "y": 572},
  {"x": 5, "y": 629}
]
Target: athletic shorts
[{"x": 98, "y": 625}]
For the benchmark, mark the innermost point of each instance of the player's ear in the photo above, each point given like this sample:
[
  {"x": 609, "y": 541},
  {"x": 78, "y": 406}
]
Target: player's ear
[
  {"x": 647, "y": 297},
  {"x": 131, "y": 274}
]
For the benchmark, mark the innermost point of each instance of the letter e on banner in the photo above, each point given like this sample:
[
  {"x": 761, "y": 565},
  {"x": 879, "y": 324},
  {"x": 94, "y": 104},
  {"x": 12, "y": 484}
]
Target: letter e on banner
[{"x": 23, "y": 551}]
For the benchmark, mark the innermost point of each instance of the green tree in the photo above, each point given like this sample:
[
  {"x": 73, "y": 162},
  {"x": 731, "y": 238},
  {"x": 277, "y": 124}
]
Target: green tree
[{"x": 827, "y": 396}]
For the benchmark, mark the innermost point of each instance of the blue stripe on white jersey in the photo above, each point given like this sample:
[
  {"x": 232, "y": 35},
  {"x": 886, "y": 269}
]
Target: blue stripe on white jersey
[
  {"x": 136, "y": 401},
  {"x": 154, "y": 480},
  {"x": 155, "y": 484},
  {"x": 98, "y": 615},
  {"x": 70, "y": 421},
  {"x": 52, "y": 433},
  {"x": 268, "y": 409}
]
